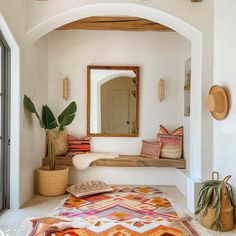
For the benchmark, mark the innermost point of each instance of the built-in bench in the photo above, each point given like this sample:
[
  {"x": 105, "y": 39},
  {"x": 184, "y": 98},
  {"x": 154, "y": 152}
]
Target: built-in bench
[{"x": 125, "y": 161}]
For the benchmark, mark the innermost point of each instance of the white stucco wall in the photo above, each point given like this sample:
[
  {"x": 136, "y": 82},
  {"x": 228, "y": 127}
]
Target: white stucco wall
[
  {"x": 28, "y": 144},
  {"x": 159, "y": 55},
  {"x": 225, "y": 75},
  {"x": 183, "y": 55},
  {"x": 35, "y": 84},
  {"x": 38, "y": 12},
  {"x": 49, "y": 15},
  {"x": 71, "y": 51},
  {"x": 197, "y": 14}
]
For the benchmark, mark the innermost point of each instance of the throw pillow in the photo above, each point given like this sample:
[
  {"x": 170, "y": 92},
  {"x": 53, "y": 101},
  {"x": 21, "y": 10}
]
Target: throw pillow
[
  {"x": 171, "y": 146},
  {"x": 60, "y": 142},
  {"x": 178, "y": 132},
  {"x": 78, "y": 145},
  {"x": 151, "y": 149},
  {"x": 89, "y": 188},
  {"x": 163, "y": 130}
]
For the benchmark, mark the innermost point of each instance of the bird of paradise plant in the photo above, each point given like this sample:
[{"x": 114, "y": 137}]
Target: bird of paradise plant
[{"x": 48, "y": 122}]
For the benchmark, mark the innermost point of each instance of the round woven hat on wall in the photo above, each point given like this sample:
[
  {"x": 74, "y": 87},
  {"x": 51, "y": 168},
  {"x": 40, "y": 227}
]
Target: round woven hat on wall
[{"x": 218, "y": 102}]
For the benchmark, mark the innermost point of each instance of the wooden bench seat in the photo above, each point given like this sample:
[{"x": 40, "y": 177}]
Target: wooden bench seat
[{"x": 125, "y": 161}]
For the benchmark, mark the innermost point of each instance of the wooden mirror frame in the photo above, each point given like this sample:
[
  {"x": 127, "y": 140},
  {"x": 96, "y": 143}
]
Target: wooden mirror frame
[{"x": 136, "y": 70}]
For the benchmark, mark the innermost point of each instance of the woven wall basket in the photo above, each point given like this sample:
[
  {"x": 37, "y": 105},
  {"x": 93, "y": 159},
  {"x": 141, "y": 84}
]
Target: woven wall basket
[
  {"x": 53, "y": 183},
  {"x": 226, "y": 214}
]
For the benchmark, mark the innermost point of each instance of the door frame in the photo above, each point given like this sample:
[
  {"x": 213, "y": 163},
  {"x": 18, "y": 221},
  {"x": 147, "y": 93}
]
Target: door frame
[{"x": 5, "y": 121}]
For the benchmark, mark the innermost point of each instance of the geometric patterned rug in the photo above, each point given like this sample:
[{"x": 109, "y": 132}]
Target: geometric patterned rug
[{"x": 127, "y": 211}]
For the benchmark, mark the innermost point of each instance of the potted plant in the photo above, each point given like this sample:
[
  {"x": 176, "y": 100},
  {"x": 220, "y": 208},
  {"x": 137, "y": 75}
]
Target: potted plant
[
  {"x": 52, "y": 179},
  {"x": 215, "y": 204}
]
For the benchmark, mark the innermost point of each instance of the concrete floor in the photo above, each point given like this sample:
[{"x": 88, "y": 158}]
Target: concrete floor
[{"x": 40, "y": 206}]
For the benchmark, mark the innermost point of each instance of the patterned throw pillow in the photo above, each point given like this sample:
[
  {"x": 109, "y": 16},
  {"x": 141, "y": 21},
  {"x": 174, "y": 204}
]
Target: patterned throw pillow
[
  {"x": 163, "y": 130},
  {"x": 151, "y": 149},
  {"x": 171, "y": 146},
  {"x": 78, "y": 145},
  {"x": 168, "y": 149},
  {"x": 89, "y": 188},
  {"x": 178, "y": 132},
  {"x": 60, "y": 142}
]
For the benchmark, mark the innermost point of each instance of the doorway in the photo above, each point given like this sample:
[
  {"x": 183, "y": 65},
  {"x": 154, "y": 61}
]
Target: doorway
[
  {"x": 118, "y": 105},
  {"x": 118, "y": 111},
  {"x": 5, "y": 125}
]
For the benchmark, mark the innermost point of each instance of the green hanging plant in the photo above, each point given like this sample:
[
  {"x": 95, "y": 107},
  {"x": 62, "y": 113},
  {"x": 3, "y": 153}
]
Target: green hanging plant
[{"x": 48, "y": 122}]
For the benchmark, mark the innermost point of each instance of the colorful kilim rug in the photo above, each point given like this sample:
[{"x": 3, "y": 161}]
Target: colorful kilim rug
[{"x": 127, "y": 211}]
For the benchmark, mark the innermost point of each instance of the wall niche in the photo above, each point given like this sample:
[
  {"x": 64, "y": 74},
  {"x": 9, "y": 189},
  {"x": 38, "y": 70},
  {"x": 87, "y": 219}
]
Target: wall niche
[{"x": 187, "y": 87}]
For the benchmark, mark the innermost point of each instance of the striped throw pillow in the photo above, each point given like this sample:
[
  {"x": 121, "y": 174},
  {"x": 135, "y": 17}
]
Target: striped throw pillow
[
  {"x": 171, "y": 146},
  {"x": 78, "y": 145},
  {"x": 163, "y": 130},
  {"x": 151, "y": 149},
  {"x": 172, "y": 143},
  {"x": 178, "y": 132}
]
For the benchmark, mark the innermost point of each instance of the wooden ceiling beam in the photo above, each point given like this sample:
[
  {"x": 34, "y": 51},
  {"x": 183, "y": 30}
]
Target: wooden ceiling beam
[{"x": 115, "y": 23}]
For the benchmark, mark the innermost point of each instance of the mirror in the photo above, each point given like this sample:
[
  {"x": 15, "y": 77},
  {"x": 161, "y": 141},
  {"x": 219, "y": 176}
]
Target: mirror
[{"x": 113, "y": 101}]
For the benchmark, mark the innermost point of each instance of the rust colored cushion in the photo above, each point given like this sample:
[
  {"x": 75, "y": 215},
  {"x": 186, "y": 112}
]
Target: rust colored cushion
[
  {"x": 151, "y": 149},
  {"x": 60, "y": 142},
  {"x": 78, "y": 145},
  {"x": 171, "y": 146},
  {"x": 89, "y": 188}
]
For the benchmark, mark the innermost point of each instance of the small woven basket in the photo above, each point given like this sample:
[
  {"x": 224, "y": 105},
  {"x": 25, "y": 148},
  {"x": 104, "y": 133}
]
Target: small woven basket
[
  {"x": 226, "y": 213},
  {"x": 53, "y": 182}
]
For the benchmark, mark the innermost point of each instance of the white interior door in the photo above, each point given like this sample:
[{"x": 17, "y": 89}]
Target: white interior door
[{"x": 118, "y": 111}]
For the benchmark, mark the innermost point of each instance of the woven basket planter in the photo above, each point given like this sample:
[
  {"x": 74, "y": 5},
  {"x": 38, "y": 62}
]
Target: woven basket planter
[
  {"x": 53, "y": 182},
  {"x": 226, "y": 211}
]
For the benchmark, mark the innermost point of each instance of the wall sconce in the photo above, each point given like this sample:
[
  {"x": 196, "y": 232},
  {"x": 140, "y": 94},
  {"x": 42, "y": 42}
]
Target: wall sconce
[
  {"x": 161, "y": 90},
  {"x": 66, "y": 88}
]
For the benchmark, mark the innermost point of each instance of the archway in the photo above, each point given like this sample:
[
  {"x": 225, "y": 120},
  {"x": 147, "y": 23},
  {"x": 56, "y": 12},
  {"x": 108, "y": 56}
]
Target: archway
[{"x": 183, "y": 28}]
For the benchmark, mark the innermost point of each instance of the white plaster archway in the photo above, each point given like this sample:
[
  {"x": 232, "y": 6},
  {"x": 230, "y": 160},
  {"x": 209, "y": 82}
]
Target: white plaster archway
[
  {"x": 183, "y": 28},
  {"x": 15, "y": 115}
]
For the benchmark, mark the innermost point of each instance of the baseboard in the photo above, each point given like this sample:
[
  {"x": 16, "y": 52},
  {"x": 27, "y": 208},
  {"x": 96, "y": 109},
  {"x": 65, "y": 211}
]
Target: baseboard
[
  {"x": 126, "y": 175},
  {"x": 189, "y": 187},
  {"x": 181, "y": 181},
  {"x": 142, "y": 176}
]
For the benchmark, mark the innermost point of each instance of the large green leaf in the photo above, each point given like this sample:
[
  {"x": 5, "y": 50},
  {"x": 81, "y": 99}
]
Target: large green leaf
[
  {"x": 49, "y": 120},
  {"x": 29, "y": 106},
  {"x": 67, "y": 116}
]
